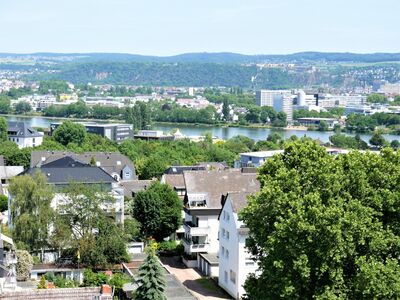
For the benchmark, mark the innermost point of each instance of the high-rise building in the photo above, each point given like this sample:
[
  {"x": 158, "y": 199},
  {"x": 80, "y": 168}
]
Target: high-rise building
[
  {"x": 266, "y": 97},
  {"x": 284, "y": 103}
]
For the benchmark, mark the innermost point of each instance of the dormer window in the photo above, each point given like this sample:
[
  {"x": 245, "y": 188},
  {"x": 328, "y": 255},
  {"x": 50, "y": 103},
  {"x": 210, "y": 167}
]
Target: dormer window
[{"x": 98, "y": 163}]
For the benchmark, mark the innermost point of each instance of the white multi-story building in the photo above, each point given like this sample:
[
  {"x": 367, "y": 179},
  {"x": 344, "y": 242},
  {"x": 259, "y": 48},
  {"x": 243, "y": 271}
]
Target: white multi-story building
[
  {"x": 284, "y": 103},
  {"x": 37, "y": 102},
  {"x": 23, "y": 135},
  {"x": 266, "y": 97},
  {"x": 204, "y": 190},
  {"x": 235, "y": 262}
]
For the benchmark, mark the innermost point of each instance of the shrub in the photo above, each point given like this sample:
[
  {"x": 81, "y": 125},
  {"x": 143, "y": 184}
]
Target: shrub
[
  {"x": 24, "y": 264},
  {"x": 42, "y": 283},
  {"x": 91, "y": 278}
]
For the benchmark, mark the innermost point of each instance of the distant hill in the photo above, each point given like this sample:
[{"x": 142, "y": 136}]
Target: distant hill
[{"x": 223, "y": 57}]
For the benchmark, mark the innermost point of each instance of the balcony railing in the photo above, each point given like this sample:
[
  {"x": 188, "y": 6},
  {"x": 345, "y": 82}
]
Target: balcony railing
[
  {"x": 193, "y": 230},
  {"x": 191, "y": 246}
]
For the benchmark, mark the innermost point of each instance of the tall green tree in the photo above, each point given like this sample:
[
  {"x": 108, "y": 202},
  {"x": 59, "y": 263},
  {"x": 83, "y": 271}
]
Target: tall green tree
[
  {"x": 84, "y": 225},
  {"x": 3, "y": 129},
  {"x": 30, "y": 210},
  {"x": 69, "y": 132},
  {"x": 151, "y": 282},
  {"x": 23, "y": 107},
  {"x": 225, "y": 109},
  {"x": 5, "y": 106},
  {"x": 325, "y": 227},
  {"x": 158, "y": 210},
  {"x": 378, "y": 140}
]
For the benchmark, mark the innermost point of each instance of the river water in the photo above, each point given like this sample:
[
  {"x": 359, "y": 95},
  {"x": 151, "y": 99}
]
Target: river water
[{"x": 220, "y": 132}]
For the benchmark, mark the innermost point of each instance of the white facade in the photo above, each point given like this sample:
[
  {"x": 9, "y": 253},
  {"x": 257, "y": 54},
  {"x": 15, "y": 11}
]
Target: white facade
[
  {"x": 266, "y": 97},
  {"x": 201, "y": 232},
  {"x": 24, "y": 142},
  {"x": 284, "y": 103},
  {"x": 235, "y": 262}
]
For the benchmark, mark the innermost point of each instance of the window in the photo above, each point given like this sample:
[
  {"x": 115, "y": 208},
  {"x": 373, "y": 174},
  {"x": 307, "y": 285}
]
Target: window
[
  {"x": 223, "y": 232},
  {"x": 249, "y": 263},
  {"x": 232, "y": 276},
  {"x": 228, "y": 217},
  {"x": 223, "y": 215},
  {"x": 226, "y": 276},
  {"x": 222, "y": 251},
  {"x": 227, "y": 253},
  {"x": 227, "y": 235},
  {"x": 33, "y": 140}
]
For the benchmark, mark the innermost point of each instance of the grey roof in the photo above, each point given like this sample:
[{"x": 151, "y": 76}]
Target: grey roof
[
  {"x": 238, "y": 201},
  {"x": 180, "y": 169},
  {"x": 58, "y": 174},
  {"x": 111, "y": 162},
  {"x": 134, "y": 186},
  {"x": 7, "y": 172},
  {"x": 20, "y": 129},
  {"x": 215, "y": 184},
  {"x": 211, "y": 258},
  {"x": 175, "y": 180}
]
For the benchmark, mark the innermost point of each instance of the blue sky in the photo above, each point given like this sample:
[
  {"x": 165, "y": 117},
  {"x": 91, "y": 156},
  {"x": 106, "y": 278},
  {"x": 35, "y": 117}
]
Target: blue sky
[{"x": 167, "y": 27}]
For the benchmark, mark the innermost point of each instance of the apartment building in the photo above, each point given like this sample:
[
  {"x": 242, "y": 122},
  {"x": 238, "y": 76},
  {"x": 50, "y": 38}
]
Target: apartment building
[
  {"x": 235, "y": 262},
  {"x": 202, "y": 206}
]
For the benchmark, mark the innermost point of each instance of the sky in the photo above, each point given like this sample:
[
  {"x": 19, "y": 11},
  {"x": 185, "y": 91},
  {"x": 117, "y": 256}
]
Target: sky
[{"x": 169, "y": 27}]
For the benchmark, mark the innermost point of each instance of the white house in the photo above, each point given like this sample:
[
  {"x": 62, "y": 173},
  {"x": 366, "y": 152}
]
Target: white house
[
  {"x": 235, "y": 262},
  {"x": 204, "y": 191},
  {"x": 23, "y": 135}
]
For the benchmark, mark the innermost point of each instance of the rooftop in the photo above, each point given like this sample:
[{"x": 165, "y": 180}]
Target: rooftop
[{"x": 22, "y": 130}]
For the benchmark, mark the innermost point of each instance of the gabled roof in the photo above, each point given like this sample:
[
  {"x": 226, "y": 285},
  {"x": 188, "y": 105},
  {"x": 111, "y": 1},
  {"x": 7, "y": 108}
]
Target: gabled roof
[
  {"x": 215, "y": 184},
  {"x": 175, "y": 180},
  {"x": 21, "y": 130},
  {"x": 238, "y": 201},
  {"x": 66, "y": 170},
  {"x": 111, "y": 162}
]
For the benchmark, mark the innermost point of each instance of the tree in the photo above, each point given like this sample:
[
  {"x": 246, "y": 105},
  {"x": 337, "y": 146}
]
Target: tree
[
  {"x": 395, "y": 144},
  {"x": 69, "y": 132},
  {"x": 323, "y": 126},
  {"x": 5, "y": 106},
  {"x": 42, "y": 283},
  {"x": 225, "y": 109},
  {"x": 30, "y": 210},
  {"x": 158, "y": 210},
  {"x": 378, "y": 140},
  {"x": 83, "y": 223},
  {"x": 324, "y": 227},
  {"x": 3, "y": 203},
  {"x": 377, "y": 98},
  {"x": 3, "y": 130},
  {"x": 151, "y": 283},
  {"x": 253, "y": 115},
  {"x": 22, "y": 107}
]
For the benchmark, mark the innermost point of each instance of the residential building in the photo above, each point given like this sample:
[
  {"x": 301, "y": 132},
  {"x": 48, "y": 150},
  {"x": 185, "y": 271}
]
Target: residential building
[
  {"x": 202, "y": 205},
  {"x": 266, "y": 97},
  {"x": 23, "y": 135},
  {"x": 61, "y": 172},
  {"x": 255, "y": 159},
  {"x": 115, "y": 164},
  {"x": 284, "y": 103},
  {"x": 235, "y": 262},
  {"x": 113, "y": 131},
  {"x": 6, "y": 173},
  {"x": 37, "y": 102}
]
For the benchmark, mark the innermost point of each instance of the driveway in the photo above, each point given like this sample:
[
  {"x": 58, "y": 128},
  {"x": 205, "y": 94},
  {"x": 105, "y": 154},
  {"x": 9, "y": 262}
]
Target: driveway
[{"x": 202, "y": 289}]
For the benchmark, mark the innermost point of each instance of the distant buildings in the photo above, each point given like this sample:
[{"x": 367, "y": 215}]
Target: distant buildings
[
  {"x": 196, "y": 103},
  {"x": 24, "y": 135},
  {"x": 113, "y": 131},
  {"x": 280, "y": 100},
  {"x": 153, "y": 135},
  {"x": 266, "y": 97}
]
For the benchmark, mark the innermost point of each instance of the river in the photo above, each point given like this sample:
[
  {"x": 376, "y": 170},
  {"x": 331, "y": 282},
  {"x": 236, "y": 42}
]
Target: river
[{"x": 220, "y": 132}]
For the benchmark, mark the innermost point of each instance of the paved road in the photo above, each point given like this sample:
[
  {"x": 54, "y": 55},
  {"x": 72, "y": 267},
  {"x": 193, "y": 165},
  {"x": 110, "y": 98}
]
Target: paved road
[{"x": 188, "y": 277}]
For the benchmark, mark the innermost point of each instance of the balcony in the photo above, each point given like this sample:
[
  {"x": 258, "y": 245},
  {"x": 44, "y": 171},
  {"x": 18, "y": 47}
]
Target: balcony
[
  {"x": 193, "y": 230},
  {"x": 192, "y": 247}
]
